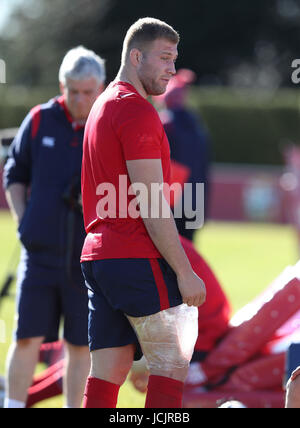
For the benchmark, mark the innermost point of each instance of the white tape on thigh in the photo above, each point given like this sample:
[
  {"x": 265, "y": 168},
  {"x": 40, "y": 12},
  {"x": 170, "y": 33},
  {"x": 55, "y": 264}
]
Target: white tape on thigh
[{"x": 167, "y": 338}]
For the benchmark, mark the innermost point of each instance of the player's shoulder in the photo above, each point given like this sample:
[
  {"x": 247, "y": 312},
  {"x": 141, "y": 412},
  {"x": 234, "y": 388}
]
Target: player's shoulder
[
  {"x": 127, "y": 96},
  {"x": 44, "y": 108},
  {"x": 139, "y": 108}
]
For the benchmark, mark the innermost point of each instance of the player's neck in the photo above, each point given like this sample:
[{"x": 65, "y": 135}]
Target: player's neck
[{"x": 125, "y": 75}]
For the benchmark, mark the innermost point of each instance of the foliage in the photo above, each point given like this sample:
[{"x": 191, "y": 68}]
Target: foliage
[
  {"x": 245, "y": 127},
  {"x": 249, "y": 43},
  {"x": 249, "y": 128}
]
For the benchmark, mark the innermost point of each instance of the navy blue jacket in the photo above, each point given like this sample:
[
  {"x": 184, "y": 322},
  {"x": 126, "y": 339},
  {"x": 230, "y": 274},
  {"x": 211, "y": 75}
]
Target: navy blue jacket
[
  {"x": 189, "y": 143},
  {"x": 46, "y": 156}
]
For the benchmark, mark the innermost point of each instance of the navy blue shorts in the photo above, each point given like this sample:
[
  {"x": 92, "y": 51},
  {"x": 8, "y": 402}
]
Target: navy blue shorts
[
  {"x": 136, "y": 287},
  {"x": 45, "y": 296}
]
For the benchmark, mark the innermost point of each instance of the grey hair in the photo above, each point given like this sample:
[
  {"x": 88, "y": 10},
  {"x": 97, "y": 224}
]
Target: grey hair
[{"x": 80, "y": 63}]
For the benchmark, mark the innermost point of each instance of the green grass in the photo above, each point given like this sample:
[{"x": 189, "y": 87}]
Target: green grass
[{"x": 245, "y": 258}]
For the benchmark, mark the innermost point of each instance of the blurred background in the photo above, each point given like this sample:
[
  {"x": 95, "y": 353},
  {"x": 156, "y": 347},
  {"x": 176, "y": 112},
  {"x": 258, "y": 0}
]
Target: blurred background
[
  {"x": 241, "y": 52},
  {"x": 246, "y": 93}
]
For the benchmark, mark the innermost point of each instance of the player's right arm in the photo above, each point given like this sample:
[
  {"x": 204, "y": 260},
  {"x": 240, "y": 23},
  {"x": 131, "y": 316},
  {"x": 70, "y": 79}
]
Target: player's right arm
[{"x": 162, "y": 229}]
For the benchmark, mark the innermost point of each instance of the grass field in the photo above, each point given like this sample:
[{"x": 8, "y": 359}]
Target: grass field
[{"x": 245, "y": 258}]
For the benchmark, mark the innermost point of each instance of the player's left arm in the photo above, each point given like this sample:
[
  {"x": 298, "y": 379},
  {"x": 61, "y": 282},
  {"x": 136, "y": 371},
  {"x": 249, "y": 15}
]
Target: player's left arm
[{"x": 162, "y": 228}]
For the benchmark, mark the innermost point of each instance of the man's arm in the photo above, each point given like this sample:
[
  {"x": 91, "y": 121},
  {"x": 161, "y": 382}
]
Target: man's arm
[
  {"x": 17, "y": 169},
  {"x": 163, "y": 231},
  {"x": 16, "y": 198}
]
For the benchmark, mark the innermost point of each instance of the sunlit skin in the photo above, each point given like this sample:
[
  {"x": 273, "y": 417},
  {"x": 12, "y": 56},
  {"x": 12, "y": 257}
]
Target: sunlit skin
[
  {"x": 150, "y": 70},
  {"x": 157, "y": 66},
  {"x": 80, "y": 96}
]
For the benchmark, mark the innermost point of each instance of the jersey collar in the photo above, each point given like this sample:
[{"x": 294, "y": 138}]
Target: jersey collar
[{"x": 62, "y": 102}]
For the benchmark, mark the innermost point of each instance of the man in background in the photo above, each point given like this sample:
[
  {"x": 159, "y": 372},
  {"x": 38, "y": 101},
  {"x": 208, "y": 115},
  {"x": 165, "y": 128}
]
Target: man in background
[{"x": 42, "y": 183}]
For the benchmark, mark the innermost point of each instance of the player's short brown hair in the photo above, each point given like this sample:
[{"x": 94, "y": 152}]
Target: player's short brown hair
[{"x": 145, "y": 31}]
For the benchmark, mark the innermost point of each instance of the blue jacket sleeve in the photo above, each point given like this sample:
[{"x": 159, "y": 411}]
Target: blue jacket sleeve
[{"x": 17, "y": 168}]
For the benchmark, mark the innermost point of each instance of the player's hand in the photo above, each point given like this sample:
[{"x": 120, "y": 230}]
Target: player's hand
[
  {"x": 139, "y": 380},
  {"x": 139, "y": 375},
  {"x": 295, "y": 373},
  {"x": 192, "y": 289}
]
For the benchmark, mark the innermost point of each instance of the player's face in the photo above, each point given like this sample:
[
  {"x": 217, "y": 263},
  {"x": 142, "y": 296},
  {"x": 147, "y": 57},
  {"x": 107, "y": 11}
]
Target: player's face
[
  {"x": 157, "y": 66},
  {"x": 80, "y": 96}
]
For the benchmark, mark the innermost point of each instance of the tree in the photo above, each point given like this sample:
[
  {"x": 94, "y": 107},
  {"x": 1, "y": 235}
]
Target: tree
[{"x": 249, "y": 42}]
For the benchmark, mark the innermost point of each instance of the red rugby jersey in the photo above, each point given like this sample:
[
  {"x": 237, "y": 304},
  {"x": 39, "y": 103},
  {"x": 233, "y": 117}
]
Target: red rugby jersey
[{"x": 122, "y": 126}]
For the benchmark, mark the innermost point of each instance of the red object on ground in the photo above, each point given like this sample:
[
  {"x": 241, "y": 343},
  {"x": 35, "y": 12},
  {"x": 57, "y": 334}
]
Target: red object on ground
[
  {"x": 194, "y": 398},
  {"x": 257, "y": 325}
]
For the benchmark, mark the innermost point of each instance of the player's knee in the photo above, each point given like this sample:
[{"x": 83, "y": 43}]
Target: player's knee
[
  {"x": 120, "y": 368},
  {"x": 293, "y": 393},
  {"x": 112, "y": 365},
  {"x": 77, "y": 352},
  {"x": 29, "y": 343},
  {"x": 120, "y": 373},
  {"x": 115, "y": 373},
  {"x": 178, "y": 373}
]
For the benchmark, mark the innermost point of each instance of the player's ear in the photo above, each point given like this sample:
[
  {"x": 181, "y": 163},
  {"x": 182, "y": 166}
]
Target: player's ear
[{"x": 135, "y": 56}]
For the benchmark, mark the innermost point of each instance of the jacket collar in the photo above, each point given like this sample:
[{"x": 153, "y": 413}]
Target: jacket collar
[{"x": 62, "y": 102}]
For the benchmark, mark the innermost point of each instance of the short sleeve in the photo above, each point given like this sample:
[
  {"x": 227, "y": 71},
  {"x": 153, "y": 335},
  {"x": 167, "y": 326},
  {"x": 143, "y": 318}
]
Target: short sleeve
[{"x": 139, "y": 130}]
